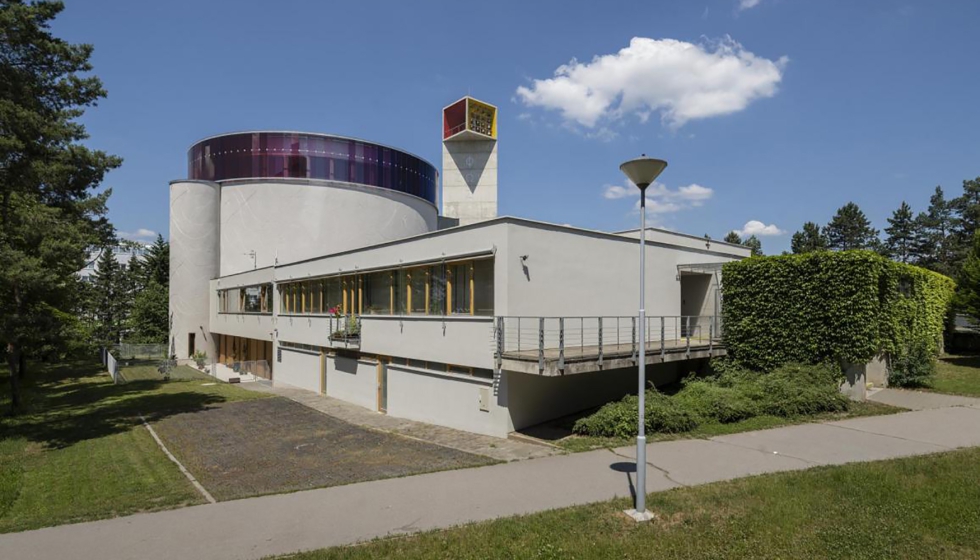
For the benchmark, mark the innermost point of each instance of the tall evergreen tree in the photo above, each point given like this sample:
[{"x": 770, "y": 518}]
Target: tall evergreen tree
[
  {"x": 109, "y": 298},
  {"x": 753, "y": 243},
  {"x": 850, "y": 229},
  {"x": 968, "y": 288},
  {"x": 936, "y": 227},
  {"x": 49, "y": 212},
  {"x": 149, "y": 320},
  {"x": 808, "y": 239},
  {"x": 967, "y": 222},
  {"x": 733, "y": 237},
  {"x": 902, "y": 233}
]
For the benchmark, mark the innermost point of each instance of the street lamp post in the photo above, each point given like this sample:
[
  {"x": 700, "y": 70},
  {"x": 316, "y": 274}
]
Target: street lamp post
[{"x": 642, "y": 171}]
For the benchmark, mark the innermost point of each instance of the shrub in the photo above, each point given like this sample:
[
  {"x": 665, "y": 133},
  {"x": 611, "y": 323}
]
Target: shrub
[
  {"x": 618, "y": 419},
  {"x": 732, "y": 395},
  {"x": 843, "y": 306},
  {"x": 711, "y": 400},
  {"x": 913, "y": 367}
]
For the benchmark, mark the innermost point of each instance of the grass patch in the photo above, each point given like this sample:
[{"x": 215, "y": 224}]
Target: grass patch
[
  {"x": 577, "y": 443},
  {"x": 922, "y": 507},
  {"x": 79, "y": 452},
  {"x": 957, "y": 375}
]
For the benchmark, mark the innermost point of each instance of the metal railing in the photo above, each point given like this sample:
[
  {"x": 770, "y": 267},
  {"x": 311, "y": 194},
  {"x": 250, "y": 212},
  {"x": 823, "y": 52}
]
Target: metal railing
[
  {"x": 141, "y": 351},
  {"x": 597, "y": 338},
  {"x": 345, "y": 329}
]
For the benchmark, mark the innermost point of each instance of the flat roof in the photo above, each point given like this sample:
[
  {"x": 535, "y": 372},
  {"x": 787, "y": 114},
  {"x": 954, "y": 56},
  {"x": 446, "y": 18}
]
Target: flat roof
[{"x": 506, "y": 220}]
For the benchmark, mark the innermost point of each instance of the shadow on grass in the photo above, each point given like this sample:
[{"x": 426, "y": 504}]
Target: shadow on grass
[
  {"x": 64, "y": 405},
  {"x": 971, "y": 361}
]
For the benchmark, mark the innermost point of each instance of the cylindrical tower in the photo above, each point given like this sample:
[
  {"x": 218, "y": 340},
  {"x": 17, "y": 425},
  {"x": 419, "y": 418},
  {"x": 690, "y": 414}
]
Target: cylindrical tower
[
  {"x": 289, "y": 196},
  {"x": 195, "y": 254}
]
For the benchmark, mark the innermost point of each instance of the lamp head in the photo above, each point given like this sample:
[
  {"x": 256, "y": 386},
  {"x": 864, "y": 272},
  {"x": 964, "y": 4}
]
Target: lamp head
[{"x": 643, "y": 170}]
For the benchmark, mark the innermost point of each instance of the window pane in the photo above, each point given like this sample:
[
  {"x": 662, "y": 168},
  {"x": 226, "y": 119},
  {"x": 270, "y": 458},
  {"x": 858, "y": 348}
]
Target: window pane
[
  {"x": 437, "y": 290},
  {"x": 483, "y": 286},
  {"x": 252, "y": 299},
  {"x": 461, "y": 288},
  {"x": 400, "y": 279},
  {"x": 417, "y": 286},
  {"x": 376, "y": 293}
]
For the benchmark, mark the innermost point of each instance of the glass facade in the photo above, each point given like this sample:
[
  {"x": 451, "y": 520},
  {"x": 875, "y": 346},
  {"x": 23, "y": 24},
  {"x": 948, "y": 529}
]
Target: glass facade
[
  {"x": 252, "y": 155},
  {"x": 458, "y": 288},
  {"x": 250, "y": 299}
]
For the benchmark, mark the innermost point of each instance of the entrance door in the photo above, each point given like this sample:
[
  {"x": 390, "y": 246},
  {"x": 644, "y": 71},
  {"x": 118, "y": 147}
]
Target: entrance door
[{"x": 190, "y": 345}]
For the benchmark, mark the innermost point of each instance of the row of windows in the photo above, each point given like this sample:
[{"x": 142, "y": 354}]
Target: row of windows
[
  {"x": 460, "y": 288},
  {"x": 276, "y": 154},
  {"x": 249, "y": 299}
]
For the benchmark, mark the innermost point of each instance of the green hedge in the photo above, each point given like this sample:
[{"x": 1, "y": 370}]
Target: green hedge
[{"x": 830, "y": 306}]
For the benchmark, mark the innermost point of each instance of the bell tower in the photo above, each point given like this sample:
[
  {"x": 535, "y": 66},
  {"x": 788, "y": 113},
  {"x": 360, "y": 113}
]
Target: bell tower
[{"x": 469, "y": 161}]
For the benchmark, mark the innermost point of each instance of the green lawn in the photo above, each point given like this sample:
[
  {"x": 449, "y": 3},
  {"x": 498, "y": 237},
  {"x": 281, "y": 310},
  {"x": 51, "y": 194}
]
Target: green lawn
[
  {"x": 79, "y": 451},
  {"x": 958, "y": 375},
  {"x": 923, "y": 507},
  {"x": 576, "y": 443}
]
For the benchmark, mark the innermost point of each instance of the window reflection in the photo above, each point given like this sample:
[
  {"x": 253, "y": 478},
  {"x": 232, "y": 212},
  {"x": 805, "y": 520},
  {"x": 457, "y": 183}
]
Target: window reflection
[{"x": 277, "y": 154}]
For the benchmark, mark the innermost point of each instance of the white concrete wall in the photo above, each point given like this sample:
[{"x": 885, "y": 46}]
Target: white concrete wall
[
  {"x": 464, "y": 341},
  {"x": 194, "y": 257},
  {"x": 294, "y": 219},
  {"x": 353, "y": 380},
  {"x": 299, "y": 368},
  {"x": 469, "y": 180},
  {"x": 445, "y": 400}
]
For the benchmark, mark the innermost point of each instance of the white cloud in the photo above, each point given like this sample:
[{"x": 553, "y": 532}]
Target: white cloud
[
  {"x": 682, "y": 81},
  {"x": 747, "y": 4},
  {"x": 660, "y": 198},
  {"x": 141, "y": 233},
  {"x": 759, "y": 229}
]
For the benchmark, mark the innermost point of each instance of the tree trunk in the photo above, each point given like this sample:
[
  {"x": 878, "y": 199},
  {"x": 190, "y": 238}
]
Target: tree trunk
[{"x": 13, "y": 358}]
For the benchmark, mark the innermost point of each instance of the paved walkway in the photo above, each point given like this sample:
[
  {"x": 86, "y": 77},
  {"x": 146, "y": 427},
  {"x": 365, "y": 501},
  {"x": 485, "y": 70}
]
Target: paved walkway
[
  {"x": 919, "y": 400},
  {"x": 257, "y": 527},
  {"x": 495, "y": 448}
]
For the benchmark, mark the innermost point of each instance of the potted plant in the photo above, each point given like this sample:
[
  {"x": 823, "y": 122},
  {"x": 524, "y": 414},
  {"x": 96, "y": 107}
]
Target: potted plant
[{"x": 200, "y": 358}]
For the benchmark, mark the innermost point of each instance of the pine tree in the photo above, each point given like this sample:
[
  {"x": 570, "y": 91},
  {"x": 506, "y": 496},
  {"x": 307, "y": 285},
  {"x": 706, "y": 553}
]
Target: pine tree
[
  {"x": 968, "y": 288},
  {"x": 733, "y": 237},
  {"x": 902, "y": 234},
  {"x": 967, "y": 222},
  {"x": 850, "y": 229},
  {"x": 809, "y": 239},
  {"x": 753, "y": 243},
  {"x": 149, "y": 320},
  {"x": 936, "y": 226},
  {"x": 109, "y": 287},
  {"x": 49, "y": 212}
]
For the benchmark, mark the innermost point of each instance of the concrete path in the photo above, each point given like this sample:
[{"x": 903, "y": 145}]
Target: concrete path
[
  {"x": 257, "y": 527},
  {"x": 495, "y": 448},
  {"x": 919, "y": 400}
]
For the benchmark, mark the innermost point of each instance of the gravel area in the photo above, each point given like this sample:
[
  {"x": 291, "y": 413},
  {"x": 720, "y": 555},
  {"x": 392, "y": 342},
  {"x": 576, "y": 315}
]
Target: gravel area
[{"x": 276, "y": 445}]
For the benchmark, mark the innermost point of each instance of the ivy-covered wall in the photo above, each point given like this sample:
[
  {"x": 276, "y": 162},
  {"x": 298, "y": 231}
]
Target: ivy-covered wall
[{"x": 842, "y": 306}]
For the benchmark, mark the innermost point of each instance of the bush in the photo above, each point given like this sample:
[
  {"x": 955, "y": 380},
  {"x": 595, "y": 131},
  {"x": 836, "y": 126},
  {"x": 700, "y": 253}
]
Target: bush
[
  {"x": 846, "y": 306},
  {"x": 711, "y": 400},
  {"x": 618, "y": 419},
  {"x": 732, "y": 395},
  {"x": 914, "y": 367}
]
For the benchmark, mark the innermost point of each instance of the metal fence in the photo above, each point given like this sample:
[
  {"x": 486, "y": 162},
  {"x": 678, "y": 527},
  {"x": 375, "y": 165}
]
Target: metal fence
[
  {"x": 540, "y": 338},
  {"x": 141, "y": 351}
]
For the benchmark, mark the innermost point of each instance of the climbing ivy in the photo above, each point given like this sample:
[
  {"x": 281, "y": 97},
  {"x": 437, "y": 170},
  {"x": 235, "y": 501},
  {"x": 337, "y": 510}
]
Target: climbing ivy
[{"x": 846, "y": 306}]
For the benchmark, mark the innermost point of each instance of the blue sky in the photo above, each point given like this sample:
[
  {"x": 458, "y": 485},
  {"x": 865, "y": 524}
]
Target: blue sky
[{"x": 778, "y": 111}]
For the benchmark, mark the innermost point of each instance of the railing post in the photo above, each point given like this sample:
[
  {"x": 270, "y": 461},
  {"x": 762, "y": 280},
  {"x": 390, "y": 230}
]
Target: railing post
[
  {"x": 600, "y": 341},
  {"x": 688, "y": 329},
  {"x": 561, "y": 343},
  {"x": 663, "y": 339},
  {"x": 541, "y": 343},
  {"x": 633, "y": 338},
  {"x": 711, "y": 336},
  {"x": 518, "y": 335}
]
